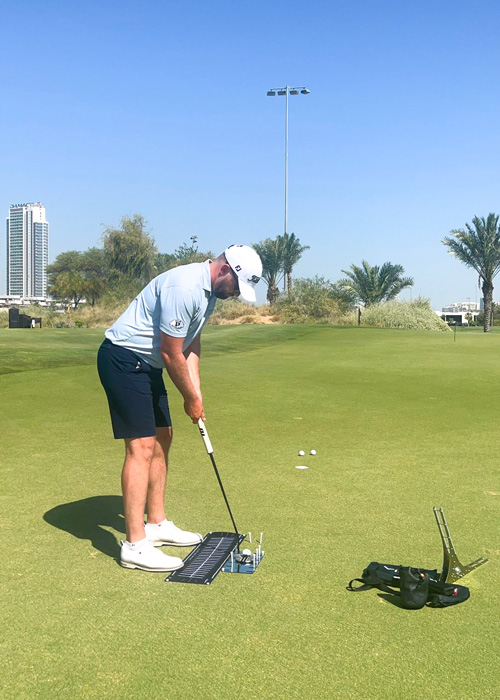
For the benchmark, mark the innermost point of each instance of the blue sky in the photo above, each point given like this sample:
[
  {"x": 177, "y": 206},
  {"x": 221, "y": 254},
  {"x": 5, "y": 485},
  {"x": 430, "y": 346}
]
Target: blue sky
[{"x": 160, "y": 108}]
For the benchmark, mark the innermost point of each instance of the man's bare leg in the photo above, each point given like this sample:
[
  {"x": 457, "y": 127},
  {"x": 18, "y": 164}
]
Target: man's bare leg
[
  {"x": 135, "y": 478},
  {"x": 159, "y": 530},
  {"x": 155, "y": 501}
]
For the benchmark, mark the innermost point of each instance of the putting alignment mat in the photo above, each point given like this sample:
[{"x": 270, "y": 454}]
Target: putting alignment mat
[{"x": 206, "y": 560}]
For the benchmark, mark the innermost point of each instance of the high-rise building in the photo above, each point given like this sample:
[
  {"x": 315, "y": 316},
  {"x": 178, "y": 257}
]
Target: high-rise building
[{"x": 27, "y": 251}]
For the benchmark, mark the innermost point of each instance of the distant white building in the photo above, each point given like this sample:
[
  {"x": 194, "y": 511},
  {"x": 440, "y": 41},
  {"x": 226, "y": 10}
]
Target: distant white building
[
  {"x": 27, "y": 251},
  {"x": 462, "y": 312}
]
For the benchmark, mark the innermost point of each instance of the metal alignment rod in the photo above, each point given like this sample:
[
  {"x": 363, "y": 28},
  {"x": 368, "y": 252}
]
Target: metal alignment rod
[{"x": 443, "y": 527}]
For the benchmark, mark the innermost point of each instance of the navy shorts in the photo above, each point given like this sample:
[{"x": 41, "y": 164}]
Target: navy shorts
[{"x": 137, "y": 397}]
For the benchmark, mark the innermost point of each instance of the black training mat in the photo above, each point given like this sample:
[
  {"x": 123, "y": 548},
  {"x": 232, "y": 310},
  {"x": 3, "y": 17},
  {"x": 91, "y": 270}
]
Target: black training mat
[{"x": 206, "y": 560}]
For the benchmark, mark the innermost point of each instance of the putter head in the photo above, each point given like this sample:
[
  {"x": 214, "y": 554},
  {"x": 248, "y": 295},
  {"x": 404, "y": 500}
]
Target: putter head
[
  {"x": 243, "y": 558},
  {"x": 245, "y": 562}
]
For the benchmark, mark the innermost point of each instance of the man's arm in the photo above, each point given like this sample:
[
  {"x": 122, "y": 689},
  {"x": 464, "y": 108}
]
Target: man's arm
[
  {"x": 181, "y": 374},
  {"x": 192, "y": 355}
]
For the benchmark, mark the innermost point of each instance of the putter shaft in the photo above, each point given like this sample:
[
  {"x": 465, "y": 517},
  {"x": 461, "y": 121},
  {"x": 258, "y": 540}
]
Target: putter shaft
[
  {"x": 223, "y": 493},
  {"x": 210, "y": 452}
]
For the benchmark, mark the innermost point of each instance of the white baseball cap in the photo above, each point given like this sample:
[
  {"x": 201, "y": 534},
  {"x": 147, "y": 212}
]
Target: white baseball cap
[{"x": 245, "y": 262}]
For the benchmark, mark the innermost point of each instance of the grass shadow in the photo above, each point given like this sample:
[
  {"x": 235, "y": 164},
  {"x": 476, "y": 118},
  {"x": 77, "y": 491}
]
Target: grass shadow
[{"x": 87, "y": 520}]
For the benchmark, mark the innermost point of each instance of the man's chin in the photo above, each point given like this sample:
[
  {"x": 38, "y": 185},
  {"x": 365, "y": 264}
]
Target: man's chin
[{"x": 221, "y": 295}]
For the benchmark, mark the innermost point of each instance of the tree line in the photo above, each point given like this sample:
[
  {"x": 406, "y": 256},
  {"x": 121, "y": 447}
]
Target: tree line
[
  {"x": 129, "y": 259},
  {"x": 477, "y": 246}
]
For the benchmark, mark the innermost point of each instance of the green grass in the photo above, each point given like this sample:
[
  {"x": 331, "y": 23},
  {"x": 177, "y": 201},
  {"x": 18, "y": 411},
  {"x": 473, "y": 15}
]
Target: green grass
[
  {"x": 24, "y": 349},
  {"x": 401, "y": 421}
]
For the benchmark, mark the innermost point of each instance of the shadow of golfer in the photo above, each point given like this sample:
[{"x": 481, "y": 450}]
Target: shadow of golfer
[{"x": 87, "y": 520}]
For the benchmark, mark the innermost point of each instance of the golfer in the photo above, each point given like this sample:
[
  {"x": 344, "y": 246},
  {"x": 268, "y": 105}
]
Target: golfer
[{"x": 161, "y": 329}]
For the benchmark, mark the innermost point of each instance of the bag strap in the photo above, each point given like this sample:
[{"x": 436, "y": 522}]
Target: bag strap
[
  {"x": 364, "y": 587},
  {"x": 376, "y": 583}
]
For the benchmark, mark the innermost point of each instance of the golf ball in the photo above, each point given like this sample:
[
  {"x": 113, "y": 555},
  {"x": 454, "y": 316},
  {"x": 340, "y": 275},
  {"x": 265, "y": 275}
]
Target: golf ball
[
  {"x": 301, "y": 453},
  {"x": 313, "y": 452},
  {"x": 246, "y": 552}
]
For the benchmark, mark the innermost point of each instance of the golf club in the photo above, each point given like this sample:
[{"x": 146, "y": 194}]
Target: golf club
[
  {"x": 210, "y": 452},
  {"x": 216, "y": 552}
]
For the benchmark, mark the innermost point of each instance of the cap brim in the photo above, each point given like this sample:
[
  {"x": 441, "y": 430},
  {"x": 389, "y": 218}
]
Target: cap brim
[{"x": 247, "y": 291}]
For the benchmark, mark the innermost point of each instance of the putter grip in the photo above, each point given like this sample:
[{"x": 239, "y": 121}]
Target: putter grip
[{"x": 204, "y": 435}]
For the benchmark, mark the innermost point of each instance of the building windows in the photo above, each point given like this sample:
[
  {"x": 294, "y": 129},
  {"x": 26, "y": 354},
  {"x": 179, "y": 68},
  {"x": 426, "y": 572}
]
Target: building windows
[{"x": 27, "y": 250}]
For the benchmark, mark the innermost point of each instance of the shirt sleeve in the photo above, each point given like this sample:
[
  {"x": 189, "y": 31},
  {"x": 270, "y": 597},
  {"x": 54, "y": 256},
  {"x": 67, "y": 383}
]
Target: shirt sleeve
[{"x": 178, "y": 308}]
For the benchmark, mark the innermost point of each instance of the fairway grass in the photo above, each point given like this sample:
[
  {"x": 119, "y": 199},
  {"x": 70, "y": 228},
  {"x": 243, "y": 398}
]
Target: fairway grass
[{"x": 401, "y": 421}]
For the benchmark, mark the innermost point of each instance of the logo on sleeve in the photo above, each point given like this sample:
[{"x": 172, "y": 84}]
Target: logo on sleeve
[{"x": 177, "y": 325}]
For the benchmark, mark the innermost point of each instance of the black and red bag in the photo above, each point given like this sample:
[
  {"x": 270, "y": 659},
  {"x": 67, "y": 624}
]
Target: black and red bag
[{"x": 417, "y": 587}]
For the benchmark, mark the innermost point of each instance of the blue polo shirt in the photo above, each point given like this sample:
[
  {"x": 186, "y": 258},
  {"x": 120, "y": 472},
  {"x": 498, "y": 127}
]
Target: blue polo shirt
[{"x": 177, "y": 302}]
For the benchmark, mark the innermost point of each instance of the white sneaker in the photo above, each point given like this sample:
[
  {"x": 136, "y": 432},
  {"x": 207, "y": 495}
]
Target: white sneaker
[
  {"x": 168, "y": 533},
  {"x": 144, "y": 556}
]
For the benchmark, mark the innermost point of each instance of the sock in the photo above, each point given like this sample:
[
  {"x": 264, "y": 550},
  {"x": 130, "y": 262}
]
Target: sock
[
  {"x": 158, "y": 524},
  {"x": 135, "y": 545}
]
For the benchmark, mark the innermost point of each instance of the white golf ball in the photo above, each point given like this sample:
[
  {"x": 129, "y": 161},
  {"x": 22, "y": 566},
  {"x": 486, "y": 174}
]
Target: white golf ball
[
  {"x": 246, "y": 552},
  {"x": 301, "y": 453},
  {"x": 313, "y": 452}
]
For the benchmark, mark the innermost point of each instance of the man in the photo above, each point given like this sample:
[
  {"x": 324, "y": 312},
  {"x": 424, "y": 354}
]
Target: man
[{"x": 161, "y": 329}]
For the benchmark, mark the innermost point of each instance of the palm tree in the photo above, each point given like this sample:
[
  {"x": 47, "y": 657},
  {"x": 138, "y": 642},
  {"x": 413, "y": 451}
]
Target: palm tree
[
  {"x": 271, "y": 253},
  {"x": 372, "y": 285},
  {"x": 478, "y": 247},
  {"x": 292, "y": 252}
]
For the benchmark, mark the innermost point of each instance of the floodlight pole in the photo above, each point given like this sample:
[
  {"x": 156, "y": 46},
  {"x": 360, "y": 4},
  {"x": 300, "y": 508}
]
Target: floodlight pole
[
  {"x": 286, "y": 161},
  {"x": 285, "y": 91}
]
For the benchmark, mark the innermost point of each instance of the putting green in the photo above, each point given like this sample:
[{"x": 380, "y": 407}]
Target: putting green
[{"x": 400, "y": 420}]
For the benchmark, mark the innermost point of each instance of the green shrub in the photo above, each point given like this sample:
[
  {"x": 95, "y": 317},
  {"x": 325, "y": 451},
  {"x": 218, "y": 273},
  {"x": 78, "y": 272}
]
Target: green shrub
[
  {"x": 98, "y": 316},
  {"x": 412, "y": 315},
  {"x": 227, "y": 310},
  {"x": 311, "y": 301}
]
